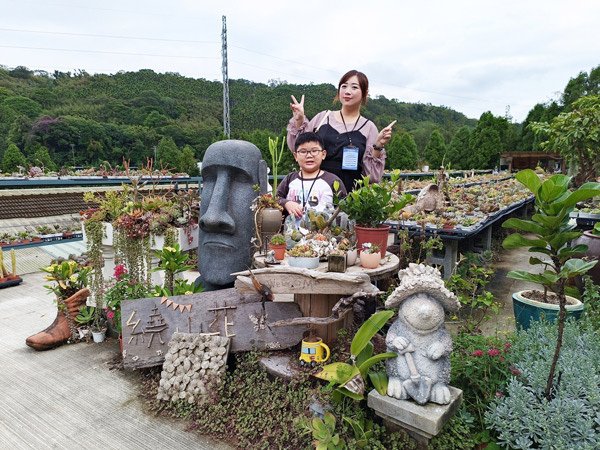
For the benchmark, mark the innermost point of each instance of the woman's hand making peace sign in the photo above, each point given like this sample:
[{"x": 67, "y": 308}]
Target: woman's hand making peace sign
[{"x": 298, "y": 110}]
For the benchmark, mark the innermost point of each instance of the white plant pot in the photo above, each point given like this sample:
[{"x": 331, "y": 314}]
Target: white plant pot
[
  {"x": 99, "y": 336},
  {"x": 158, "y": 241},
  {"x": 303, "y": 262},
  {"x": 351, "y": 256}
]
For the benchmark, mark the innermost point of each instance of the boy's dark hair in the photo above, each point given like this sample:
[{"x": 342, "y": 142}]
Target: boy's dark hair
[{"x": 309, "y": 136}]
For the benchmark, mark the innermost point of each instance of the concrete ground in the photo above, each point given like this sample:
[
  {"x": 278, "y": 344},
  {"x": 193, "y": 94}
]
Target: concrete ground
[
  {"x": 503, "y": 288},
  {"x": 69, "y": 397}
]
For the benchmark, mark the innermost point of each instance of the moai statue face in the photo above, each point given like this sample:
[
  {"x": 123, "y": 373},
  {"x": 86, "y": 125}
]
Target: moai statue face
[
  {"x": 422, "y": 312},
  {"x": 230, "y": 170}
]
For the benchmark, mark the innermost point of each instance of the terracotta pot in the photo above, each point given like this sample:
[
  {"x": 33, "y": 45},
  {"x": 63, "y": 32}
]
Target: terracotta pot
[
  {"x": 279, "y": 250},
  {"x": 270, "y": 220},
  {"x": 593, "y": 252},
  {"x": 369, "y": 260},
  {"x": 378, "y": 236}
]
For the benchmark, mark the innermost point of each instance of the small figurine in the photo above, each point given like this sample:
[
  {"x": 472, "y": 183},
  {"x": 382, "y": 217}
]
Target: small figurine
[
  {"x": 270, "y": 258},
  {"x": 421, "y": 370}
]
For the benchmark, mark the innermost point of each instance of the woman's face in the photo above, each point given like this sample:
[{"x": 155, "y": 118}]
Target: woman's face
[{"x": 350, "y": 93}]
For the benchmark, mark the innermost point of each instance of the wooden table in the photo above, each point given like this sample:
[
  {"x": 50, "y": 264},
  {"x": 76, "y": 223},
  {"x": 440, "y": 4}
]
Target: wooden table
[{"x": 315, "y": 290}]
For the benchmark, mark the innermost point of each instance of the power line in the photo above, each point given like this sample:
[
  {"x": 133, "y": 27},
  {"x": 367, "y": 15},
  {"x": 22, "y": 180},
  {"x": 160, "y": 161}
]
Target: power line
[
  {"x": 109, "y": 36},
  {"x": 107, "y": 52}
]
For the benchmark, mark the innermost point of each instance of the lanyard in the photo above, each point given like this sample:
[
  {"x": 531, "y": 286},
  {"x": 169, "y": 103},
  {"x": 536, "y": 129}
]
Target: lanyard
[
  {"x": 344, "y": 122},
  {"x": 307, "y": 196}
]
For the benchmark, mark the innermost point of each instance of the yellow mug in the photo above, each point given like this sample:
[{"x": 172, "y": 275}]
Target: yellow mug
[{"x": 314, "y": 352}]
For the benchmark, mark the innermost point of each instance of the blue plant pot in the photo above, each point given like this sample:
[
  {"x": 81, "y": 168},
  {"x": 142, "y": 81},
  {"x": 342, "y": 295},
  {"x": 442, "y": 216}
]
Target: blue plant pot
[{"x": 527, "y": 310}]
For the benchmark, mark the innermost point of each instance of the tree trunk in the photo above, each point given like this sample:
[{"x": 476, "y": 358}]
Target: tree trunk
[{"x": 562, "y": 301}]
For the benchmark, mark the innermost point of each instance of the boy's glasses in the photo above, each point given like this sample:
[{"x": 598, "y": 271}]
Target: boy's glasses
[{"x": 312, "y": 151}]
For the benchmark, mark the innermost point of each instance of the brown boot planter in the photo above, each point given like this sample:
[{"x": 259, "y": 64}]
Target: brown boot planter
[{"x": 59, "y": 332}]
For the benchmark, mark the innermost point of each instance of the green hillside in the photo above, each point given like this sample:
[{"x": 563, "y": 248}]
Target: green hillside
[
  {"x": 83, "y": 119},
  {"x": 77, "y": 119}
]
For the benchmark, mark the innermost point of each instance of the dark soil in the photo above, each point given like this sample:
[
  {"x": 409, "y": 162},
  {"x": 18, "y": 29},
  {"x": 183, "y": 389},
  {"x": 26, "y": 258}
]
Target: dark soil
[{"x": 538, "y": 296}]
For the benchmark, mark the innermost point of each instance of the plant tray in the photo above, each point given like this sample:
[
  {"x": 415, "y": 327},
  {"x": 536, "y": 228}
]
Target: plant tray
[{"x": 10, "y": 283}]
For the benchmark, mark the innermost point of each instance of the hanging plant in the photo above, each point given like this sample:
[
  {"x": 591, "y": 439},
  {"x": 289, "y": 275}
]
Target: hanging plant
[{"x": 94, "y": 231}]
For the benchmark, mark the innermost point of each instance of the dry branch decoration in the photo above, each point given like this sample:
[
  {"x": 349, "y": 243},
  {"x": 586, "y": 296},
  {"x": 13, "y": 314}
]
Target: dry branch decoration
[{"x": 338, "y": 312}]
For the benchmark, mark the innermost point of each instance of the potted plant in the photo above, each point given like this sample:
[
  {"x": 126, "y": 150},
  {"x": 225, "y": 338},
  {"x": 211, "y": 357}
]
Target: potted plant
[
  {"x": 336, "y": 261},
  {"x": 69, "y": 286},
  {"x": 277, "y": 243},
  {"x": 349, "y": 248},
  {"x": 268, "y": 217},
  {"x": 370, "y": 255},
  {"x": 591, "y": 239},
  {"x": 84, "y": 319},
  {"x": 369, "y": 205},
  {"x": 303, "y": 255},
  {"x": 552, "y": 232}
]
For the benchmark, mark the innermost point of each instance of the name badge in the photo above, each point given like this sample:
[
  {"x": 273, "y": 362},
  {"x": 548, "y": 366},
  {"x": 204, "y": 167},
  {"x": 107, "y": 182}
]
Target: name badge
[{"x": 350, "y": 158}]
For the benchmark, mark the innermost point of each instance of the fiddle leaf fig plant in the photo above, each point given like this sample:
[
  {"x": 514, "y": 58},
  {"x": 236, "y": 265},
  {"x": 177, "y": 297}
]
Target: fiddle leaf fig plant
[{"x": 549, "y": 233}]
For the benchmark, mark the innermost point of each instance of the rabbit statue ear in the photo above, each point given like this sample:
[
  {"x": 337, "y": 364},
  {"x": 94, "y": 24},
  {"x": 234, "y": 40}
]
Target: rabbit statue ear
[{"x": 422, "y": 279}]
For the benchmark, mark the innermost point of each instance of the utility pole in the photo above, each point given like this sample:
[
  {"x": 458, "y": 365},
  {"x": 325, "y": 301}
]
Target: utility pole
[{"x": 226, "y": 125}]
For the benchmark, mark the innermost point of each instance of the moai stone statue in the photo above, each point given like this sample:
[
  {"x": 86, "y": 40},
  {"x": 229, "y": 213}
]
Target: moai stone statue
[
  {"x": 421, "y": 370},
  {"x": 230, "y": 170}
]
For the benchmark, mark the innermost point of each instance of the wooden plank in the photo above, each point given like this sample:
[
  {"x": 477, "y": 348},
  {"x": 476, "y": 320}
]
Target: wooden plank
[
  {"x": 149, "y": 323},
  {"x": 292, "y": 280},
  {"x": 313, "y": 305}
]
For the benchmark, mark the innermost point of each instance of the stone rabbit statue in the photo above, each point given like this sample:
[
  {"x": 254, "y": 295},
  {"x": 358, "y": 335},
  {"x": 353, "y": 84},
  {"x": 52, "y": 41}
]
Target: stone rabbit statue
[{"x": 421, "y": 370}]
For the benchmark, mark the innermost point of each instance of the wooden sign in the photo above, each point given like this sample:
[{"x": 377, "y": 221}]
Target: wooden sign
[
  {"x": 149, "y": 323},
  {"x": 292, "y": 280}
]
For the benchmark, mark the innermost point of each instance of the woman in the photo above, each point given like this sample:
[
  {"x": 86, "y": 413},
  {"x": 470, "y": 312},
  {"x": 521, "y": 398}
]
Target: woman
[{"x": 354, "y": 147}]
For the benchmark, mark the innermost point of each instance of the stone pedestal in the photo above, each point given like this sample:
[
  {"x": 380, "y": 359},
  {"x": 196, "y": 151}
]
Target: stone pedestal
[{"x": 420, "y": 422}]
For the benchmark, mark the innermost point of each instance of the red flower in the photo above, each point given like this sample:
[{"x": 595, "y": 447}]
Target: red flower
[
  {"x": 477, "y": 353},
  {"x": 120, "y": 270},
  {"x": 110, "y": 314},
  {"x": 493, "y": 352},
  {"x": 507, "y": 346},
  {"x": 514, "y": 370}
]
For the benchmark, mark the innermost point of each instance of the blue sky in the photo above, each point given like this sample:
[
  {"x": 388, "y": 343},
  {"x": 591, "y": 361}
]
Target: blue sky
[{"x": 472, "y": 56}]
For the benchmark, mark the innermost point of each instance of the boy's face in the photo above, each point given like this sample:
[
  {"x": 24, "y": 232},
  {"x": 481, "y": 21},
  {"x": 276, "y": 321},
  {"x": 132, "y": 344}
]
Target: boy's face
[{"x": 309, "y": 156}]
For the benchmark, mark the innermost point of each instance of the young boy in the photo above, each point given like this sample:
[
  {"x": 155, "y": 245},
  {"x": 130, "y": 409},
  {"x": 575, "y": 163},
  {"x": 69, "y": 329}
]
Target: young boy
[{"x": 311, "y": 187}]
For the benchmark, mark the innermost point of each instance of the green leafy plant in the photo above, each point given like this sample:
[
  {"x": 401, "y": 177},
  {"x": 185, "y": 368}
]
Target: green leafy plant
[
  {"x": 124, "y": 288},
  {"x": 69, "y": 277},
  {"x": 323, "y": 432},
  {"x": 471, "y": 275},
  {"x": 370, "y": 204},
  {"x": 277, "y": 239},
  {"x": 481, "y": 367},
  {"x": 574, "y": 134},
  {"x": 276, "y": 153},
  {"x": 173, "y": 261},
  {"x": 553, "y": 232},
  {"x": 303, "y": 250},
  {"x": 591, "y": 300},
  {"x": 345, "y": 376},
  {"x": 86, "y": 315},
  {"x": 363, "y": 431}
]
